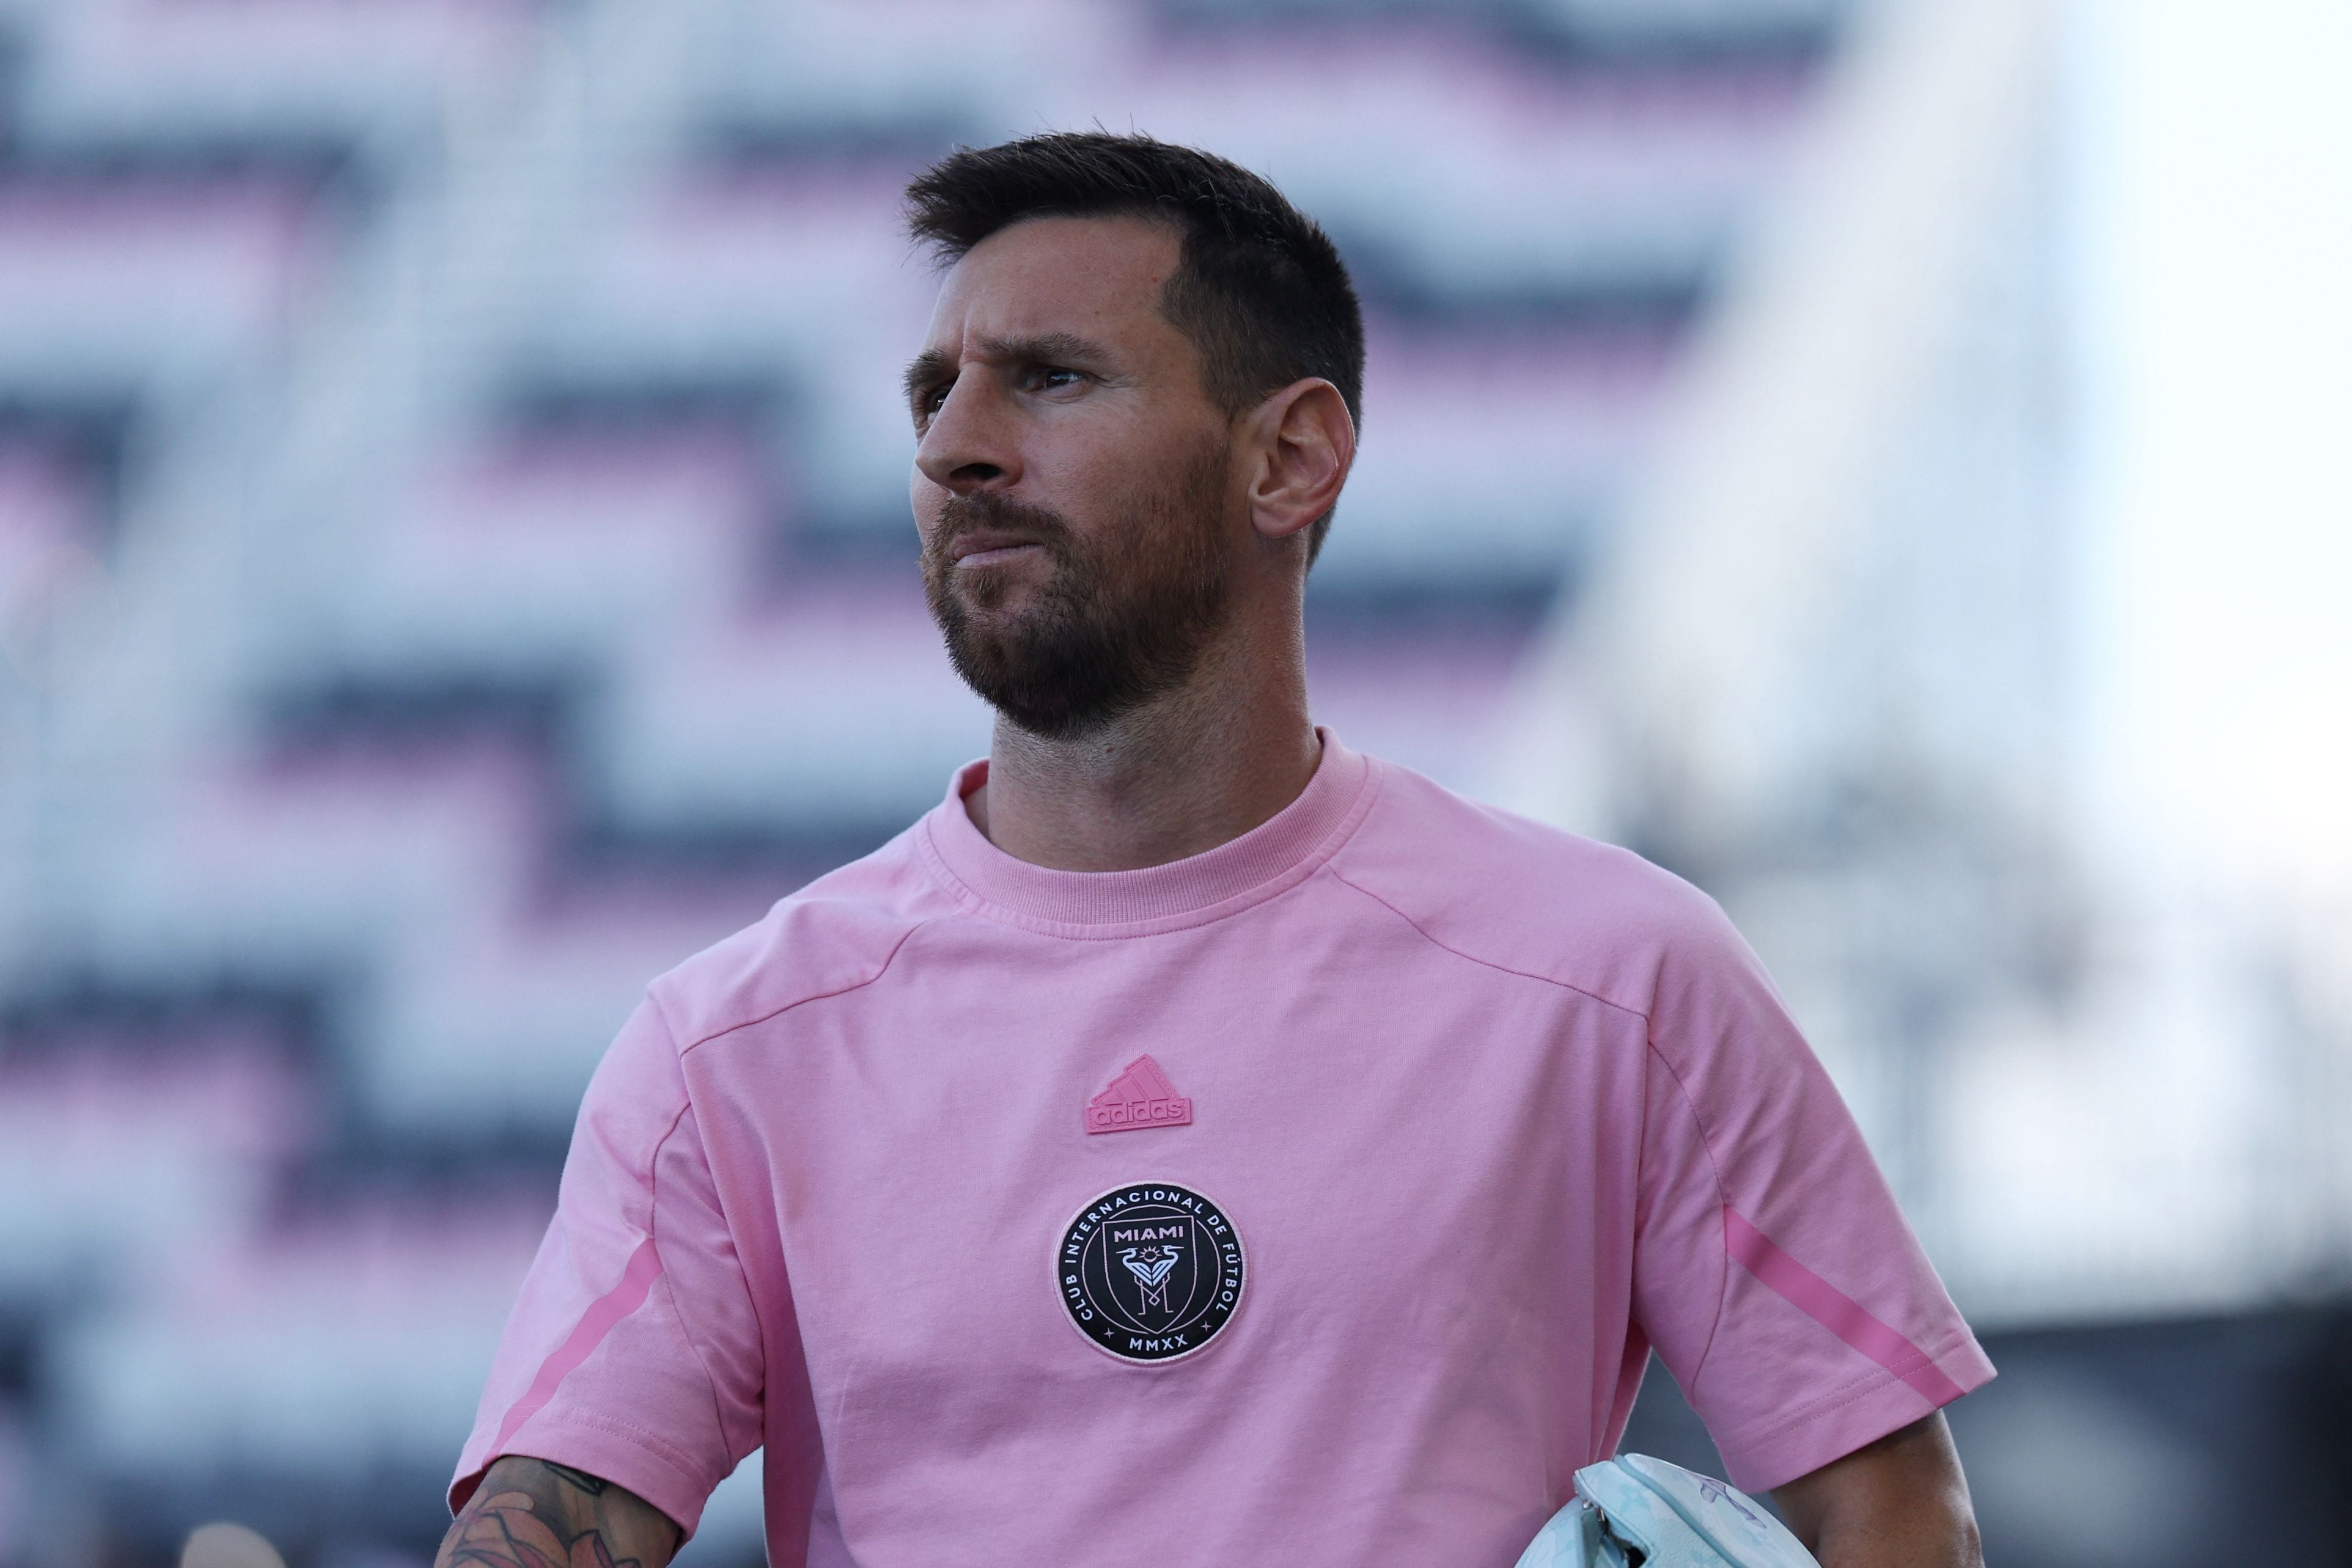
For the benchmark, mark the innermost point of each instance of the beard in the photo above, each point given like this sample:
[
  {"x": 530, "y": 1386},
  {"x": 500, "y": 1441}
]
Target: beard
[{"x": 1116, "y": 624}]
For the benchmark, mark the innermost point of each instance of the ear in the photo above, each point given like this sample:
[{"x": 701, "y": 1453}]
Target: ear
[{"x": 1301, "y": 444}]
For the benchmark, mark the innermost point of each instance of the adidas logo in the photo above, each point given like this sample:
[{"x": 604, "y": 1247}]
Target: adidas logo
[{"x": 1140, "y": 1097}]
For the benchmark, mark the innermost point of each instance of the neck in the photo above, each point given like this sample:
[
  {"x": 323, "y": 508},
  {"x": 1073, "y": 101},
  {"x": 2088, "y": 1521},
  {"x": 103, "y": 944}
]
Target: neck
[{"x": 1174, "y": 778}]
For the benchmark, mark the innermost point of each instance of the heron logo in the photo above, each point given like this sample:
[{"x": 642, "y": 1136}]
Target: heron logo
[{"x": 1151, "y": 1271}]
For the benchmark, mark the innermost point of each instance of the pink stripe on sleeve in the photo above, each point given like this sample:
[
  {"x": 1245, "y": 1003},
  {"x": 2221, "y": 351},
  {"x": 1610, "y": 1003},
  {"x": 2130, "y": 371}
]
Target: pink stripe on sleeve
[
  {"x": 1834, "y": 1310},
  {"x": 607, "y": 1310}
]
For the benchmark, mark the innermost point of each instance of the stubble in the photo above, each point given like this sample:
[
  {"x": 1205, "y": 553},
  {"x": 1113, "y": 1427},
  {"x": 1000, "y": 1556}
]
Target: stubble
[{"x": 1118, "y": 621}]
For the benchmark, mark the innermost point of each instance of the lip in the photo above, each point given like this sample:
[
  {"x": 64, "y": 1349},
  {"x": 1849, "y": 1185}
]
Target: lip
[{"x": 982, "y": 548}]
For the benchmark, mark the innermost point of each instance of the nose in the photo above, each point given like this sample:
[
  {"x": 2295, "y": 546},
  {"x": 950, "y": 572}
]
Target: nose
[{"x": 969, "y": 445}]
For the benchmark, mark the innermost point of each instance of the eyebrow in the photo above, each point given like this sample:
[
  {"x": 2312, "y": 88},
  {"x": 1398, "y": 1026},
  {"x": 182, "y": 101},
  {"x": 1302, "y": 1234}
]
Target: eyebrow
[
  {"x": 933, "y": 366},
  {"x": 926, "y": 370}
]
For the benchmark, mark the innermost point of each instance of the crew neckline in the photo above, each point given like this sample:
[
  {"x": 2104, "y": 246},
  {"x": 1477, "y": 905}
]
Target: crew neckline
[{"x": 1271, "y": 856}]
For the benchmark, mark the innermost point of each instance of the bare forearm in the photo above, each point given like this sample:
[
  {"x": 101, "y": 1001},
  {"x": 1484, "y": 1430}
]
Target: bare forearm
[
  {"x": 1902, "y": 1502},
  {"x": 529, "y": 1513},
  {"x": 1915, "y": 1541}
]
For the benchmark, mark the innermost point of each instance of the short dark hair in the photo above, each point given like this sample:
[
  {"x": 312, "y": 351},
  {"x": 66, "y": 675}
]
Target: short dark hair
[{"x": 1261, "y": 290}]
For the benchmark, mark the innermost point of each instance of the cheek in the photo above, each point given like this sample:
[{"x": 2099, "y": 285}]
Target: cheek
[
  {"x": 1093, "y": 477},
  {"x": 925, "y": 499}
]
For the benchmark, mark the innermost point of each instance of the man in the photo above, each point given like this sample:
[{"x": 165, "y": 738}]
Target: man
[{"x": 1194, "y": 1143}]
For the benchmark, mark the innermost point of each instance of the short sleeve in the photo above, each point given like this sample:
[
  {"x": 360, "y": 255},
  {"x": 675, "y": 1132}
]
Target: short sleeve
[
  {"x": 634, "y": 1351},
  {"x": 1773, "y": 1272}
]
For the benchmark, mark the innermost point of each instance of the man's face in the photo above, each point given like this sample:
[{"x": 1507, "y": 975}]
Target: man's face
[{"x": 1073, "y": 482}]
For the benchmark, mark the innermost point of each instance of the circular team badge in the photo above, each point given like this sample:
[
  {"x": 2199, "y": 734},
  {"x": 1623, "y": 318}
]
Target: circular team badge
[{"x": 1151, "y": 1271}]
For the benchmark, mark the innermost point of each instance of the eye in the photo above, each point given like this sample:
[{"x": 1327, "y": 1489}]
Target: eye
[{"x": 1054, "y": 377}]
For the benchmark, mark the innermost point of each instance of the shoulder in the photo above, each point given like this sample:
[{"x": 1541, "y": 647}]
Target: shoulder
[
  {"x": 839, "y": 932},
  {"x": 1515, "y": 894}
]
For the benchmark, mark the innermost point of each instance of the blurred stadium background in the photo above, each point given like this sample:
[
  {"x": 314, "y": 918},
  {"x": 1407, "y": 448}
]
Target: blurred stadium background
[{"x": 454, "y": 563}]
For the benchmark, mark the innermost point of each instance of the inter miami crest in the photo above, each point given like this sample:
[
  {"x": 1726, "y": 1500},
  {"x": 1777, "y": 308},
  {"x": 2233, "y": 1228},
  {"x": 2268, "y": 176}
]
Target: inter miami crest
[{"x": 1151, "y": 1271}]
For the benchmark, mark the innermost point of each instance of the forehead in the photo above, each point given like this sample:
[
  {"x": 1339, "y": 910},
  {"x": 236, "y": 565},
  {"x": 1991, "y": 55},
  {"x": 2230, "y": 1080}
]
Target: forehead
[{"x": 1094, "y": 277}]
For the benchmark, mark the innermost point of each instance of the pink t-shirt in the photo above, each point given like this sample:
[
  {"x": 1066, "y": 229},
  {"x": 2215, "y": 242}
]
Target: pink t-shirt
[{"x": 1317, "y": 1200}]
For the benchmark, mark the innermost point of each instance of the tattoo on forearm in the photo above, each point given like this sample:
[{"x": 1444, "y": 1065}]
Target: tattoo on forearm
[
  {"x": 505, "y": 1531},
  {"x": 531, "y": 1513},
  {"x": 593, "y": 1485}
]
